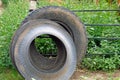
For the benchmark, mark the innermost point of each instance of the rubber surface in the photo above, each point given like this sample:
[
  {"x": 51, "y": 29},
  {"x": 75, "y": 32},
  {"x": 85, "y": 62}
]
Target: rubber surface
[
  {"x": 34, "y": 66},
  {"x": 66, "y": 19}
]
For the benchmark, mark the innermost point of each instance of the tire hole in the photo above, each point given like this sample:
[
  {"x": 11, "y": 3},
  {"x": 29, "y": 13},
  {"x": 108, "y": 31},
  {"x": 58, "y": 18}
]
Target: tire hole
[
  {"x": 46, "y": 46},
  {"x": 47, "y": 60}
]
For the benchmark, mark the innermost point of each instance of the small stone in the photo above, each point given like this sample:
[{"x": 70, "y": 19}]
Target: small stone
[{"x": 33, "y": 79}]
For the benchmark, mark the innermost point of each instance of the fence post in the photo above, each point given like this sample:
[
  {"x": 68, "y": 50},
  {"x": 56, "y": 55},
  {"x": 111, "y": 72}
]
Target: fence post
[
  {"x": 118, "y": 3},
  {"x": 32, "y": 5},
  {"x": 96, "y": 2}
]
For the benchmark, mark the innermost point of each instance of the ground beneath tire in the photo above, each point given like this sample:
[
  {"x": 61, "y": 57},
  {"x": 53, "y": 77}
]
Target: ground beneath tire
[{"x": 95, "y": 75}]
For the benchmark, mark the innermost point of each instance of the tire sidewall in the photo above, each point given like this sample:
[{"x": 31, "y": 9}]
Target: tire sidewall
[
  {"x": 75, "y": 26},
  {"x": 21, "y": 53}
]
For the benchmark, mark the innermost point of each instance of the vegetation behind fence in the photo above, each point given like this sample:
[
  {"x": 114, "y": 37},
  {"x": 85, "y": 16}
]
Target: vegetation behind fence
[{"x": 15, "y": 12}]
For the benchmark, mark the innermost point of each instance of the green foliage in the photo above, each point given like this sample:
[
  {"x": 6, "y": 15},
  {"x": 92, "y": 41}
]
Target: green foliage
[
  {"x": 15, "y": 12},
  {"x": 9, "y": 22},
  {"x": 6, "y": 2},
  {"x": 9, "y": 74},
  {"x": 45, "y": 45},
  {"x": 102, "y": 62},
  {"x": 96, "y": 46},
  {"x": 109, "y": 62}
]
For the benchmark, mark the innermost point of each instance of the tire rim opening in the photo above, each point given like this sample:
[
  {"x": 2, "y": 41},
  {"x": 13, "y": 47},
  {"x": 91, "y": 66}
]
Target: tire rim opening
[
  {"x": 46, "y": 46},
  {"x": 47, "y": 53}
]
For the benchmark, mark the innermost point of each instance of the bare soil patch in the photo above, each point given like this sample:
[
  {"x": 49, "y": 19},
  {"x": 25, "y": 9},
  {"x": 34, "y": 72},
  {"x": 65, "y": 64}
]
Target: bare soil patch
[{"x": 95, "y": 75}]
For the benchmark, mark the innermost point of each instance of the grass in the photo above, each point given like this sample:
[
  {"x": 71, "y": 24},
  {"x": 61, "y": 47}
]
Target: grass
[
  {"x": 10, "y": 20},
  {"x": 15, "y": 12},
  {"x": 12, "y": 74},
  {"x": 9, "y": 74}
]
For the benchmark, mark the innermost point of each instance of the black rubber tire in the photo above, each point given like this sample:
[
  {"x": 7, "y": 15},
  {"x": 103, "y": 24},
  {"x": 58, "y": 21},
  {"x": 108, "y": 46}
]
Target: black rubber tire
[
  {"x": 34, "y": 66},
  {"x": 69, "y": 21}
]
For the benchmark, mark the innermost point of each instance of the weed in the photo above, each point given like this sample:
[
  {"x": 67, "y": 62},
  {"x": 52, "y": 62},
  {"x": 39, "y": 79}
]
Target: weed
[
  {"x": 15, "y": 12},
  {"x": 104, "y": 63},
  {"x": 9, "y": 22}
]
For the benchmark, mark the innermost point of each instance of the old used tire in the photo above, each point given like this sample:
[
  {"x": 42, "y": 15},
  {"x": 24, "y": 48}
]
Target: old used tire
[
  {"x": 34, "y": 66},
  {"x": 66, "y": 19}
]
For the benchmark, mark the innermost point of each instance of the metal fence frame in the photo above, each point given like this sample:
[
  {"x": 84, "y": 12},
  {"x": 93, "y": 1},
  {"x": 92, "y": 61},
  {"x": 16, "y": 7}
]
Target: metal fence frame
[
  {"x": 90, "y": 25},
  {"x": 100, "y": 25}
]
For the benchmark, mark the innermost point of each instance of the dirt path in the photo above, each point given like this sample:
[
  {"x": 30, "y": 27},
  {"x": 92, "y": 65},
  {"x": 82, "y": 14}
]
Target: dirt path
[{"x": 96, "y": 75}]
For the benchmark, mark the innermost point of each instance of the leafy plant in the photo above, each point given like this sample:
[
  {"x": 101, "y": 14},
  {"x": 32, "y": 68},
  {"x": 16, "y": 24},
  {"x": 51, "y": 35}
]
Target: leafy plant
[
  {"x": 45, "y": 45},
  {"x": 102, "y": 62},
  {"x": 9, "y": 74},
  {"x": 9, "y": 22},
  {"x": 98, "y": 47}
]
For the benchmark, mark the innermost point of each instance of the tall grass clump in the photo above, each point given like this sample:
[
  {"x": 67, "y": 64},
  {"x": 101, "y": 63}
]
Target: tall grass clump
[{"x": 12, "y": 16}]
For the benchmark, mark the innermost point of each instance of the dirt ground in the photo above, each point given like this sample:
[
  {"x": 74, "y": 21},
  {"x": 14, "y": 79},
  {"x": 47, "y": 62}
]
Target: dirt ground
[{"x": 95, "y": 75}]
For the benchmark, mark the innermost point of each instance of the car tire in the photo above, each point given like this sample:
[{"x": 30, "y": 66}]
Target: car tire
[
  {"x": 34, "y": 66},
  {"x": 69, "y": 21}
]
